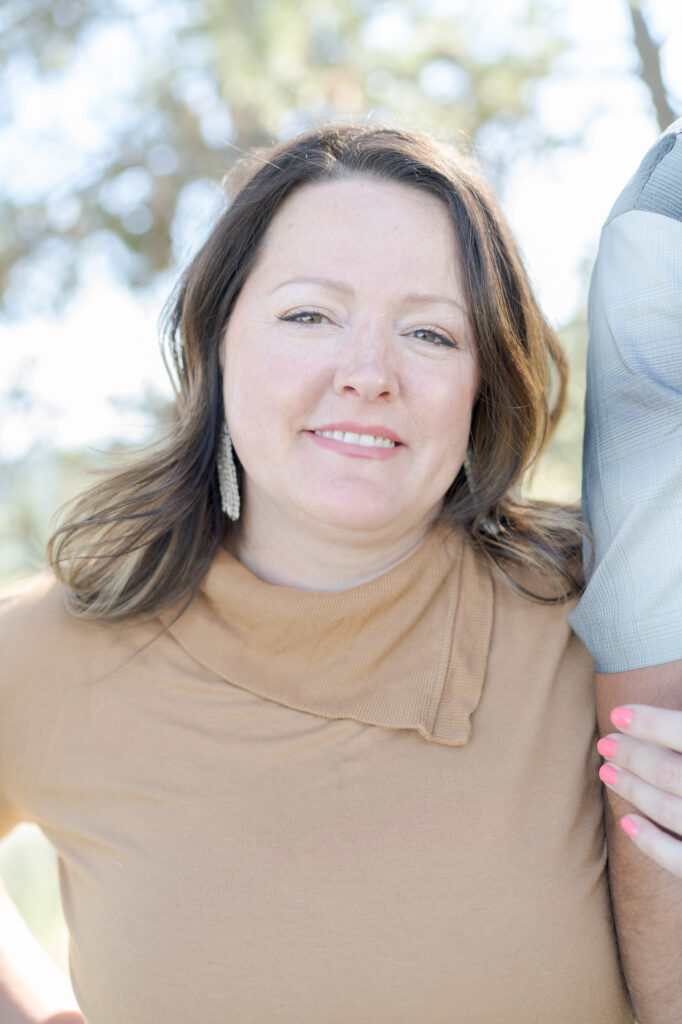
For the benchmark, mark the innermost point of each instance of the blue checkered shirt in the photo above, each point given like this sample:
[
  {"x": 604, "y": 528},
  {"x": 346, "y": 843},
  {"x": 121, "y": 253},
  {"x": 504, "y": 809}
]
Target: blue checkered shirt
[{"x": 631, "y": 613}]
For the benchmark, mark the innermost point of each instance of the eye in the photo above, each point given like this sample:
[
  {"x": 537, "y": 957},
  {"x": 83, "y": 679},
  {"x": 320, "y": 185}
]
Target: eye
[
  {"x": 304, "y": 316},
  {"x": 433, "y": 337}
]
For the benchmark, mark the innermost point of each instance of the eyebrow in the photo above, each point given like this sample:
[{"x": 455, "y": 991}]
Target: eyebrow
[
  {"x": 328, "y": 282},
  {"x": 346, "y": 289},
  {"x": 440, "y": 299}
]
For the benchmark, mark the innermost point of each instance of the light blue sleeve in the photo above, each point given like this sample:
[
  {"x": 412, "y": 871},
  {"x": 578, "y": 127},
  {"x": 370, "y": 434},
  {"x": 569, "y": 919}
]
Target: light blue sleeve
[{"x": 631, "y": 613}]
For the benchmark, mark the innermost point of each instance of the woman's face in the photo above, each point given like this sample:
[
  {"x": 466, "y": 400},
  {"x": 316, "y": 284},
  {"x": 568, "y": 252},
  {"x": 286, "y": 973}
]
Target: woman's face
[{"x": 350, "y": 370}]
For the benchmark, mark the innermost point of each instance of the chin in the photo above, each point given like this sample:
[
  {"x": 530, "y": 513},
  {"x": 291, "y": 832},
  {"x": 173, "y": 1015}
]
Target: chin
[{"x": 362, "y": 517}]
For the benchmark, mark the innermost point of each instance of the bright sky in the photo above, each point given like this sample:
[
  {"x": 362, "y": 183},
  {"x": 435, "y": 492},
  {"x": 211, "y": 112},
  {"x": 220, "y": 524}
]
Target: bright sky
[{"x": 89, "y": 368}]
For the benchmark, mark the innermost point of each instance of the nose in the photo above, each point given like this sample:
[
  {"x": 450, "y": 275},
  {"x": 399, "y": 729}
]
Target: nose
[{"x": 367, "y": 369}]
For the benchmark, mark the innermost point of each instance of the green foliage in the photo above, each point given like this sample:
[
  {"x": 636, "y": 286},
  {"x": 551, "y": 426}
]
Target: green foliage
[
  {"x": 206, "y": 80},
  {"x": 558, "y": 474}
]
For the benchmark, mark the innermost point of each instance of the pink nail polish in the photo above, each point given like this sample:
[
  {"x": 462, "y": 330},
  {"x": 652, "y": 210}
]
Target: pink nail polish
[
  {"x": 606, "y": 747},
  {"x": 608, "y": 774},
  {"x": 629, "y": 827},
  {"x": 621, "y": 717}
]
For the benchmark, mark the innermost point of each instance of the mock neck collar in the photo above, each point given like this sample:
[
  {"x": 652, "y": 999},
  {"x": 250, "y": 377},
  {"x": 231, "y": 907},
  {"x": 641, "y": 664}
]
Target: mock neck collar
[{"x": 404, "y": 650}]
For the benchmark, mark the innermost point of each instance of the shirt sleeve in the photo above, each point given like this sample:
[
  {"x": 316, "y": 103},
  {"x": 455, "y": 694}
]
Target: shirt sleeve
[
  {"x": 630, "y": 615},
  {"x": 9, "y": 815},
  {"x": 27, "y": 706}
]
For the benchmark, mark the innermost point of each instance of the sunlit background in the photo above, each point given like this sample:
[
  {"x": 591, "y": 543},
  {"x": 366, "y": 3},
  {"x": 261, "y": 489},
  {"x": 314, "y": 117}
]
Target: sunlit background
[{"x": 119, "y": 119}]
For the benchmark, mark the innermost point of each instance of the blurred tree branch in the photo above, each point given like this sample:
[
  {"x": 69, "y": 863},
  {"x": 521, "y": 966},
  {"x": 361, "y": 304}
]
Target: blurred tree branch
[
  {"x": 230, "y": 75},
  {"x": 650, "y": 65}
]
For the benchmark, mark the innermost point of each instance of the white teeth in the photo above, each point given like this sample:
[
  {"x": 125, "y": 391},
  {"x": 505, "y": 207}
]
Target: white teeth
[{"x": 366, "y": 440}]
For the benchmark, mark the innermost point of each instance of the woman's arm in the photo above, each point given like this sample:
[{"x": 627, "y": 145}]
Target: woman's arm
[{"x": 32, "y": 988}]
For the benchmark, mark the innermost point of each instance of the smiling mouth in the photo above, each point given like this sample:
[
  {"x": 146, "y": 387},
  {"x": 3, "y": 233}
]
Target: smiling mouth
[{"x": 364, "y": 440}]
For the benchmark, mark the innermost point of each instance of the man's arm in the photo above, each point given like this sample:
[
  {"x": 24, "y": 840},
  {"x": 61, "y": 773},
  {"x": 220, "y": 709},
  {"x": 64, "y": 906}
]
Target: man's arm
[
  {"x": 631, "y": 613},
  {"x": 647, "y": 899}
]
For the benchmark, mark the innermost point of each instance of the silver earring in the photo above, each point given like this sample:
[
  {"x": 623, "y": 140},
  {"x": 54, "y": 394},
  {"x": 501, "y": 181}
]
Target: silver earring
[{"x": 227, "y": 476}]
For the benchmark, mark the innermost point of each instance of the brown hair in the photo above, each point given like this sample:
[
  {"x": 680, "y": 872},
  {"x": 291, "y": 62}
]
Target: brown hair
[{"x": 144, "y": 538}]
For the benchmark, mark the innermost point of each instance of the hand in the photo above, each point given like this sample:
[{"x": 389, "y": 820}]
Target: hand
[{"x": 644, "y": 765}]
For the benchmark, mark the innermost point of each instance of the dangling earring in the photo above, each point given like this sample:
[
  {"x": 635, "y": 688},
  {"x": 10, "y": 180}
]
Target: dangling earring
[{"x": 227, "y": 476}]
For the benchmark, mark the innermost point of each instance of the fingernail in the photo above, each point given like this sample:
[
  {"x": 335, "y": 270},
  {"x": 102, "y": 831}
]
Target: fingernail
[
  {"x": 606, "y": 747},
  {"x": 608, "y": 774},
  {"x": 629, "y": 827},
  {"x": 621, "y": 717}
]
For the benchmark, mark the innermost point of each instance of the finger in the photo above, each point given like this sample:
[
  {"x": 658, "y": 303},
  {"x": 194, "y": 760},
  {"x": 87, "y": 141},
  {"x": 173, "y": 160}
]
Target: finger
[
  {"x": 661, "y": 767},
  {"x": 656, "y": 725},
  {"x": 662, "y": 848},
  {"x": 662, "y": 808}
]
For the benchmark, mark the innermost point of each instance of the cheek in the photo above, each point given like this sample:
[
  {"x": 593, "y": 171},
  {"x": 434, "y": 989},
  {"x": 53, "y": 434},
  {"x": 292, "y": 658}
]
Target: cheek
[
  {"x": 268, "y": 386},
  {"x": 455, "y": 407},
  {"x": 450, "y": 427}
]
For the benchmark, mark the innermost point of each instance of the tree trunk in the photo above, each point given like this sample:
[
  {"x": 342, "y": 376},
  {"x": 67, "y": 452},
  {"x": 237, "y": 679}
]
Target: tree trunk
[{"x": 650, "y": 65}]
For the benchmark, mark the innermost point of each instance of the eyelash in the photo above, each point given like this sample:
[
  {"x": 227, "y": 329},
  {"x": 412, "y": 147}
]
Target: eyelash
[
  {"x": 298, "y": 315},
  {"x": 442, "y": 338}
]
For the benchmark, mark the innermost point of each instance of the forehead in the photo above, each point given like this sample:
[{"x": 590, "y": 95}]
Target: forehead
[
  {"x": 367, "y": 224},
  {"x": 362, "y": 191}
]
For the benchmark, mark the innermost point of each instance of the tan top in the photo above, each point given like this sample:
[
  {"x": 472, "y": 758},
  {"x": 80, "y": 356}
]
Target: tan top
[{"x": 376, "y": 806}]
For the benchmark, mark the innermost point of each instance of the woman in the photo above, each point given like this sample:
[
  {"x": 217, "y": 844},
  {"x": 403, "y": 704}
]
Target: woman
[{"x": 329, "y": 755}]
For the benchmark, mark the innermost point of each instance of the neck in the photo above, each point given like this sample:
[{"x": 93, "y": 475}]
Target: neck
[{"x": 330, "y": 559}]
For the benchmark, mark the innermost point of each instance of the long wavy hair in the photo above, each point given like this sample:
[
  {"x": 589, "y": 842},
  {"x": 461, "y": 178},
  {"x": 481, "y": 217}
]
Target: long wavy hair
[{"x": 143, "y": 539}]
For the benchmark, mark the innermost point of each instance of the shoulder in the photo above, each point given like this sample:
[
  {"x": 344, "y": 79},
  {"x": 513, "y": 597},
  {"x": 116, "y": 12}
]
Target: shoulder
[
  {"x": 540, "y": 623},
  {"x": 35, "y": 624},
  {"x": 40, "y": 653},
  {"x": 44, "y": 646},
  {"x": 529, "y": 606},
  {"x": 656, "y": 186},
  {"x": 25, "y": 602},
  {"x": 533, "y": 597},
  {"x": 31, "y": 614},
  {"x": 635, "y": 312},
  {"x": 533, "y": 648}
]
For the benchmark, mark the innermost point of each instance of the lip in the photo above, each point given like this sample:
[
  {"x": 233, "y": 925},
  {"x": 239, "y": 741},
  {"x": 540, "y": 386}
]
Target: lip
[{"x": 374, "y": 429}]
